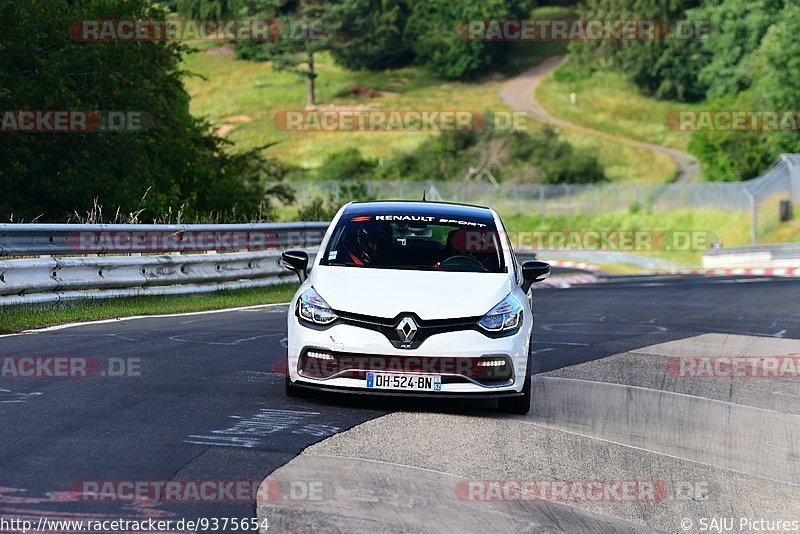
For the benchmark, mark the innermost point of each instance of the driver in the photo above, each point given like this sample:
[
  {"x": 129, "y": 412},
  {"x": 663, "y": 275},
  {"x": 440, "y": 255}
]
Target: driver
[{"x": 373, "y": 243}]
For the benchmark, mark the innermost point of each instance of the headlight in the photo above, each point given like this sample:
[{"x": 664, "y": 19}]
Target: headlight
[
  {"x": 313, "y": 308},
  {"x": 505, "y": 316}
]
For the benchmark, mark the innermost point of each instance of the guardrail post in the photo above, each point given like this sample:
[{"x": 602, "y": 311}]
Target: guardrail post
[
  {"x": 752, "y": 200},
  {"x": 569, "y": 198},
  {"x": 794, "y": 178},
  {"x": 541, "y": 200}
]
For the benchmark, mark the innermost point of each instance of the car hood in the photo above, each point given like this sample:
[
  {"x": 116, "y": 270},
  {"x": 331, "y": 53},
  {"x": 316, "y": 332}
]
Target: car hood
[{"x": 389, "y": 292}]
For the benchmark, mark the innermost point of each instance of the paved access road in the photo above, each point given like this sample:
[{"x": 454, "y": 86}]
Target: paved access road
[{"x": 520, "y": 94}]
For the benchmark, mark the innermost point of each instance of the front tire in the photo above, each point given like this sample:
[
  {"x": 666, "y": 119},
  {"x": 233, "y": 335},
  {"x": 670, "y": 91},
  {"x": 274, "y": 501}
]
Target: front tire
[{"x": 521, "y": 404}]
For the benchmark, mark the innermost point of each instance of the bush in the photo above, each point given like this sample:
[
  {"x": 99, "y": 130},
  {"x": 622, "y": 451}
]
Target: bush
[
  {"x": 572, "y": 72},
  {"x": 532, "y": 157},
  {"x": 325, "y": 209},
  {"x": 556, "y": 161},
  {"x": 732, "y": 155},
  {"x": 346, "y": 165}
]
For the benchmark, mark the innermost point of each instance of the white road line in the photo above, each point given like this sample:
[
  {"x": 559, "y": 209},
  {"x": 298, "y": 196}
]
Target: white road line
[{"x": 133, "y": 317}]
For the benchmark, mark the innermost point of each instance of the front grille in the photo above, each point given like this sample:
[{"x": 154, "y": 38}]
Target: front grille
[
  {"x": 425, "y": 329},
  {"x": 351, "y": 365}
]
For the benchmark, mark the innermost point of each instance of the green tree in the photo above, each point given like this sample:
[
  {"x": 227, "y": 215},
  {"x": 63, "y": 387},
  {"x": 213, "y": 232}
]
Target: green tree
[
  {"x": 772, "y": 71},
  {"x": 211, "y": 9},
  {"x": 779, "y": 88},
  {"x": 432, "y": 31},
  {"x": 175, "y": 164},
  {"x": 666, "y": 66},
  {"x": 371, "y": 34},
  {"x": 736, "y": 30},
  {"x": 306, "y": 29}
]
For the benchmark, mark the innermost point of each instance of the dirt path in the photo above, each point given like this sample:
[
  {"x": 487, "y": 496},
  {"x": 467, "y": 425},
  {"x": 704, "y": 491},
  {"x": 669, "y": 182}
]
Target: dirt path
[{"x": 520, "y": 93}]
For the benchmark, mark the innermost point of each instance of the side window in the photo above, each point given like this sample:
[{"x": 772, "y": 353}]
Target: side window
[
  {"x": 514, "y": 260},
  {"x": 517, "y": 265}
]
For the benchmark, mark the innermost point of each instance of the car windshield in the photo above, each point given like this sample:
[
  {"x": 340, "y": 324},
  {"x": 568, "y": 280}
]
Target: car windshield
[{"x": 415, "y": 242}]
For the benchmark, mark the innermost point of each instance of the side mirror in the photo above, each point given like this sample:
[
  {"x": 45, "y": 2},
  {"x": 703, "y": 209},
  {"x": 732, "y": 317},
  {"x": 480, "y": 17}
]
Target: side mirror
[
  {"x": 534, "y": 271},
  {"x": 297, "y": 261}
]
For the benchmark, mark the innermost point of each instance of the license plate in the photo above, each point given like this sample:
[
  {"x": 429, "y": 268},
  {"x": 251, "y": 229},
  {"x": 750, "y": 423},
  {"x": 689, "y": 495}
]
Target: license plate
[{"x": 404, "y": 382}]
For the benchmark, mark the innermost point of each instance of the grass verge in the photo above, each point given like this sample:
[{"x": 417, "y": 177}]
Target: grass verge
[
  {"x": 609, "y": 102},
  {"x": 622, "y": 162},
  {"x": 18, "y": 318},
  {"x": 665, "y": 229},
  {"x": 242, "y": 97}
]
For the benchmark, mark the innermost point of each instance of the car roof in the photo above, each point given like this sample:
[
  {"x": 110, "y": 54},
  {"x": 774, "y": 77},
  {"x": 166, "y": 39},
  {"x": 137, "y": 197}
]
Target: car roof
[{"x": 415, "y": 207}]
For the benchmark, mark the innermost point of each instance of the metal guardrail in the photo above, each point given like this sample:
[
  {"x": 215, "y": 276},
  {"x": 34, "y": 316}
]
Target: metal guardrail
[
  {"x": 100, "y": 261},
  {"x": 71, "y": 239},
  {"x": 131, "y": 260},
  {"x": 759, "y": 197},
  {"x": 777, "y": 255},
  {"x": 780, "y": 249}
]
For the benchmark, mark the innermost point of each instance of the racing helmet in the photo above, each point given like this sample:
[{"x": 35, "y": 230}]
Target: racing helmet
[{"x": 374, "y": 240}]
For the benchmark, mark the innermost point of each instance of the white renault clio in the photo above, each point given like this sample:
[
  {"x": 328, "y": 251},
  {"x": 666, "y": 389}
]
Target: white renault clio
[{"x": 413, "y": 298}]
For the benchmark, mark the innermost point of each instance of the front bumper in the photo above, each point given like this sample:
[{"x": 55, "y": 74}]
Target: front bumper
[
  {"x": 324, "y": 387},
  {"x": 461, "y": 376}
]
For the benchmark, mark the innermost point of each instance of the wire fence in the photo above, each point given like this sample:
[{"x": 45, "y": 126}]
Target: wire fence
[{"x": 760, "y": 197}]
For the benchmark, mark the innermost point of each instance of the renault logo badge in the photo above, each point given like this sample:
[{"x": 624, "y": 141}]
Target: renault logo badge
[{"x": 406, "y": 329}]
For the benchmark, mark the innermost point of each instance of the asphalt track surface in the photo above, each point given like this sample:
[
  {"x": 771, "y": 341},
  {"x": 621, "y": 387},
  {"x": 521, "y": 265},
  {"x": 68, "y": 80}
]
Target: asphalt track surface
[{"x": 209, "y": 405}]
